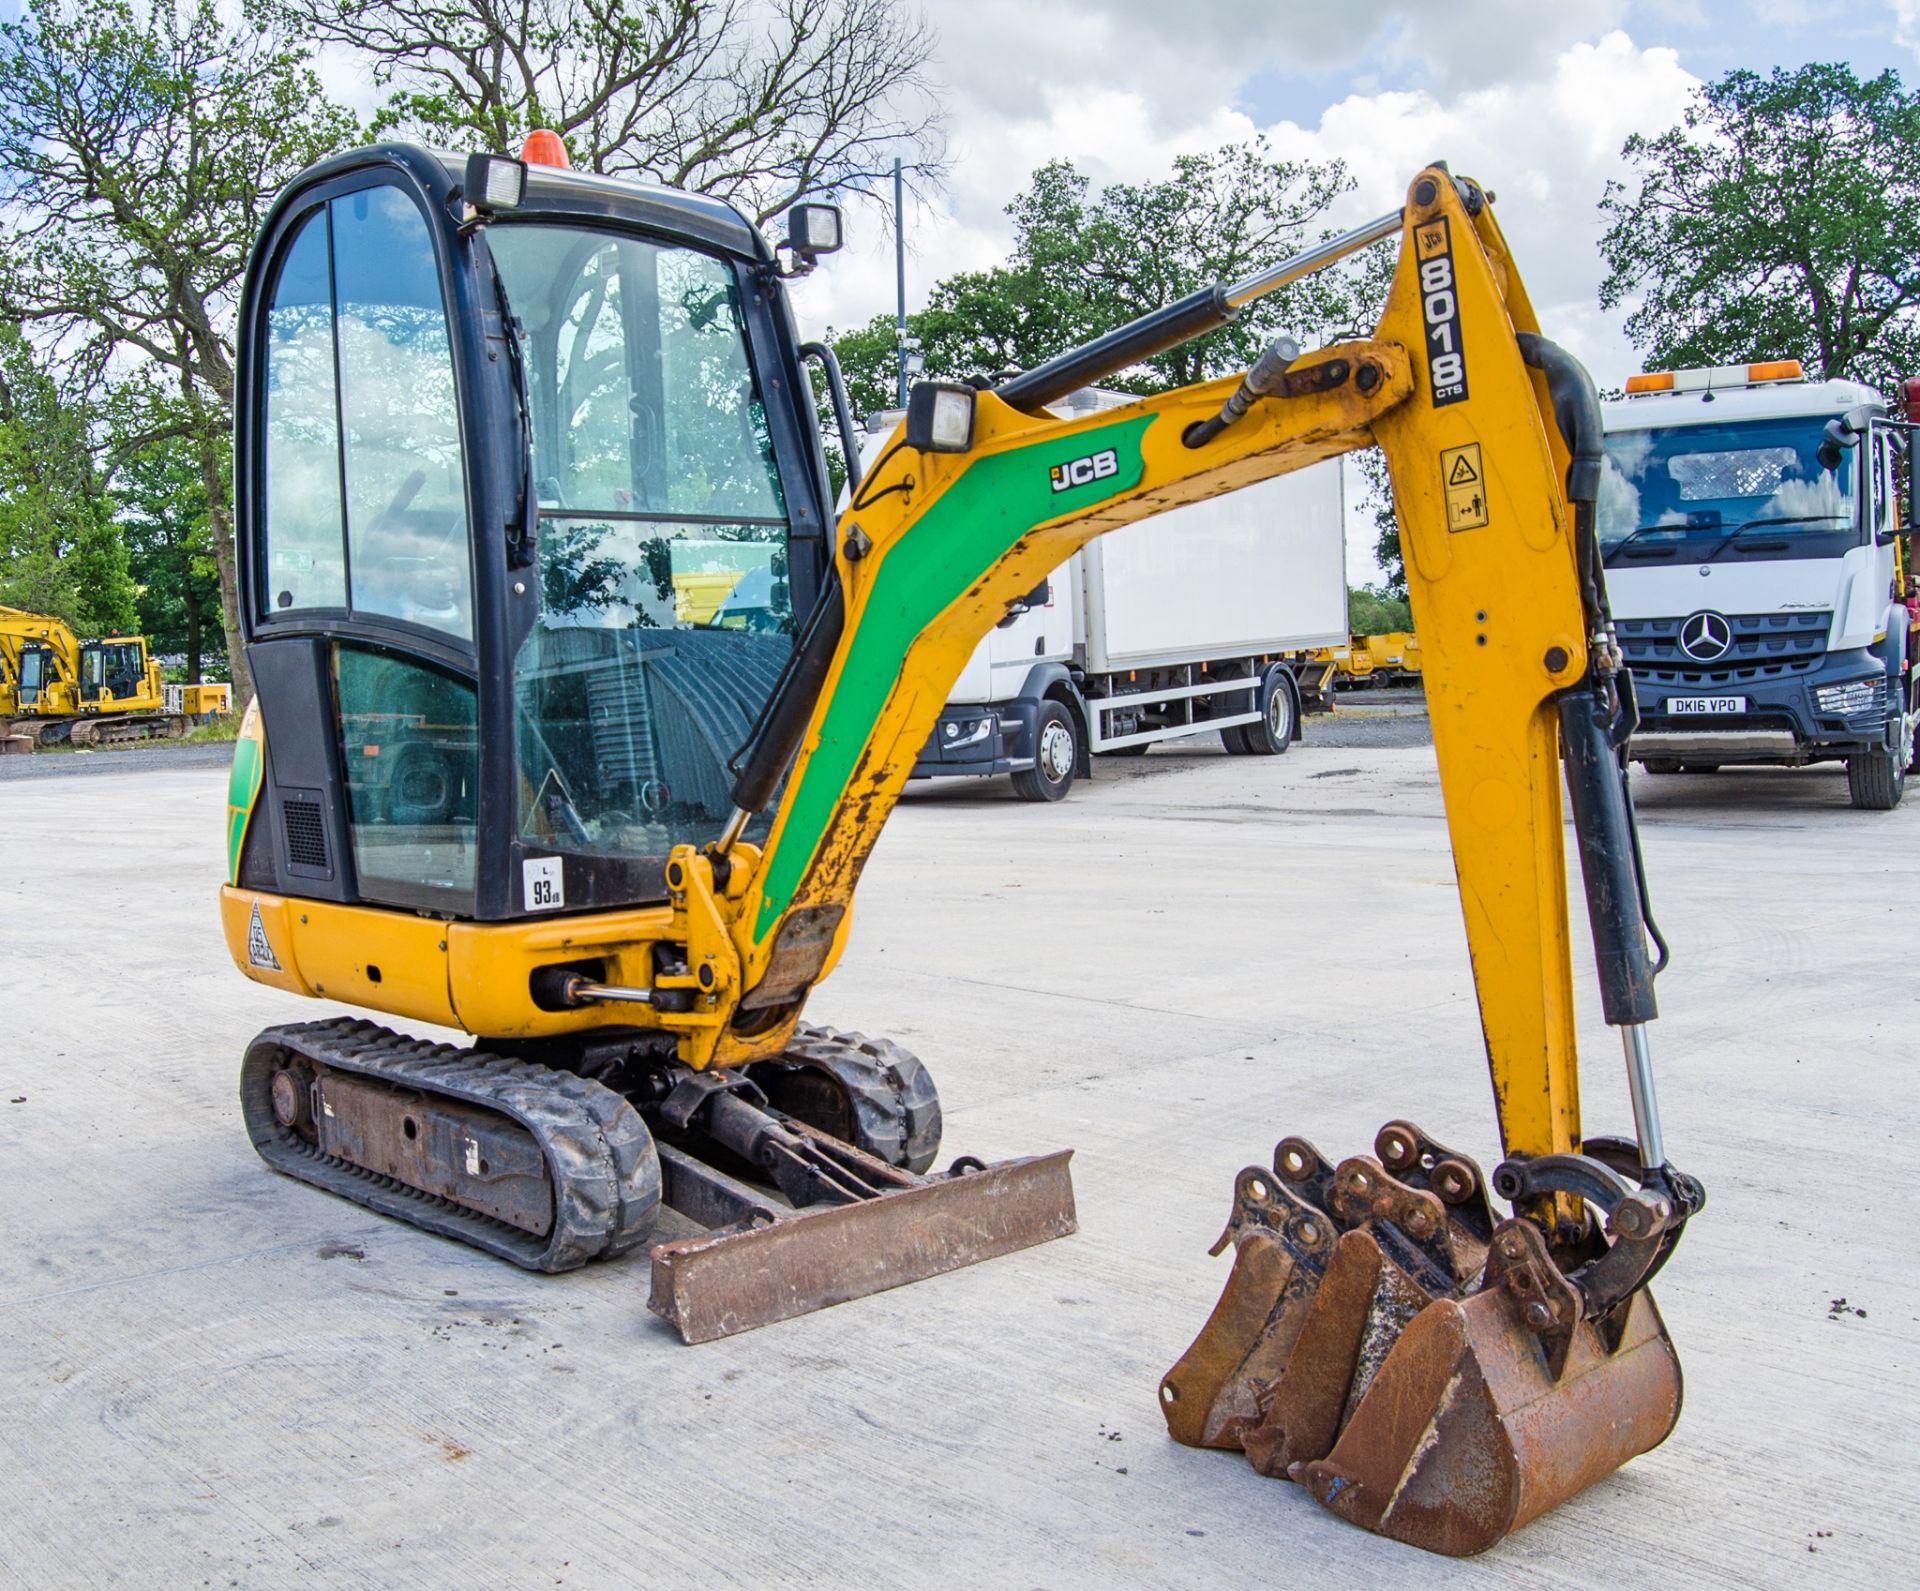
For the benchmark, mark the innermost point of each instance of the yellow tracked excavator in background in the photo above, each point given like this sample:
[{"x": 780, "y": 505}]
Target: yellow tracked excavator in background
[
  {"x": 55, "y": 687},
  {"x": 498, "y": 422}
]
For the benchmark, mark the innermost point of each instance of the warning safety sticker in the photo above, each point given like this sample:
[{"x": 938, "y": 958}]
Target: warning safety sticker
[
  {"x": 1464, "y": 481},
  {"x": 259, "y": 947}
]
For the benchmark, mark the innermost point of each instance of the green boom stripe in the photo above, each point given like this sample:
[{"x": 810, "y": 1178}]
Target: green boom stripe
[{"x": 965, "y": 533}]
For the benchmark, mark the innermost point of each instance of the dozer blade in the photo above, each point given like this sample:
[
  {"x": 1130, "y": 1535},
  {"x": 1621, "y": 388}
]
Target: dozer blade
[
  {"x": 772, "y": 1263},
  {"x": 1392, "y": 1373}
]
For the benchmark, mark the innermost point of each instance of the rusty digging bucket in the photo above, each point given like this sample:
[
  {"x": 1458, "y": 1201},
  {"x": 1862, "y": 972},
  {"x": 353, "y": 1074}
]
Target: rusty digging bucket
[{"x": 1420, "y": 1369}]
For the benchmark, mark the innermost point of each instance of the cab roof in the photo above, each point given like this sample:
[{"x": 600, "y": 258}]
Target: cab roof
[{"x": 697, "y": 217}]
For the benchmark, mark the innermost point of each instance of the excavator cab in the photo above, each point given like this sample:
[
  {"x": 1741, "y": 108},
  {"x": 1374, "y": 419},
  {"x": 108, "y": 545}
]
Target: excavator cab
[
  {"x": 532, "y": 508},
  {"x": 37, "y": 677},
  {"x": 531, "y": 500}
]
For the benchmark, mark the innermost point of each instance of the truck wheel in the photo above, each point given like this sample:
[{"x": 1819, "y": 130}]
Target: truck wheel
[
  {"x": 1875, "y": 780},
  {"x": 1661, "y": 764},
  {"x": 1279, "y": 717},
  {"x": 1056, "y": 747}
]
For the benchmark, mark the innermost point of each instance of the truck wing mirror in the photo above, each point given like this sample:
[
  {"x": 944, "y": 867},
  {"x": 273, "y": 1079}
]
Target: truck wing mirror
[
  {"x": 1840, "y": 434},
  {"x": 1038, "y": 597}
]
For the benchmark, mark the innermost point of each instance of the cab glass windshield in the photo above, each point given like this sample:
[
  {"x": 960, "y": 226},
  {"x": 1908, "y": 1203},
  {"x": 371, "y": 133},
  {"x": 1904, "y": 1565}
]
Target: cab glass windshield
[
  {"x": 666, "y": 615},
  {"x": 1751, "y": 489}
]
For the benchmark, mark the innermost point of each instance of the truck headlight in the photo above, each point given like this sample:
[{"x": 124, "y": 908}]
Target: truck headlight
[
  {"x": 958, "y": 732},
  {"x": 1844, "y": 701}
]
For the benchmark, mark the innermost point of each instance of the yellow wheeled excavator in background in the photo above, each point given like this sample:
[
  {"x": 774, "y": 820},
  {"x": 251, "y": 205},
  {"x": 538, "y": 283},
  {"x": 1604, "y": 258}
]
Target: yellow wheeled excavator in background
[
  {"x": 61, "y": 688},
  {"x": 498, "y": 419}
]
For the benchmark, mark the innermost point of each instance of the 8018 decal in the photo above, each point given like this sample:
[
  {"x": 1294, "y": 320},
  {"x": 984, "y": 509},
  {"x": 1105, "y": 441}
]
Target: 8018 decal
[{"x": 1440, "y": 306}]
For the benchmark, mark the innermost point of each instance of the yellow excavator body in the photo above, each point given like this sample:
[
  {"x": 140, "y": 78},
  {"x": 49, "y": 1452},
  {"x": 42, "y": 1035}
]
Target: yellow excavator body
[{"x": 1421, "y": 1366}]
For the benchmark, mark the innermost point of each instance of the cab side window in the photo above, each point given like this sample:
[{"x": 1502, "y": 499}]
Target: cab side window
[
  {"x": 365, "y": 491},
  {"x": 305, "y": 554},
  {"x": 410, "y": 740}
]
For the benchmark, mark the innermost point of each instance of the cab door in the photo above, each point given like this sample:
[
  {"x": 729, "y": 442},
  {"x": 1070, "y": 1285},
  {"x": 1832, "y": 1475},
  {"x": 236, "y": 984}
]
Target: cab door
[{"x": 361, "y": 567}]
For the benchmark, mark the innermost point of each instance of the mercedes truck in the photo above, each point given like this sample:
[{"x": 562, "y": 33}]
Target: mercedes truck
[{"x": 1749, "y": 524}]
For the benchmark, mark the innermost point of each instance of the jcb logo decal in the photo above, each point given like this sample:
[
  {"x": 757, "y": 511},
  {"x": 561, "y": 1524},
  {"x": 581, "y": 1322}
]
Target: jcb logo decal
[
  {"x": 1446, "y": 359},
  {"x": 1084, "y": 472}
]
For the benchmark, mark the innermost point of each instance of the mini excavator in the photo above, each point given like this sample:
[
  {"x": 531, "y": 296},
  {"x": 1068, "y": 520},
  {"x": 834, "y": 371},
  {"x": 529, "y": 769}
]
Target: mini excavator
[{"x": 580, "y": 711}]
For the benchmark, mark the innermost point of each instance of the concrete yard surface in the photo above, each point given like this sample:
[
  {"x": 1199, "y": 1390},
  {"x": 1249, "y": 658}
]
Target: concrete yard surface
[{"x": 210, "y": 1375}]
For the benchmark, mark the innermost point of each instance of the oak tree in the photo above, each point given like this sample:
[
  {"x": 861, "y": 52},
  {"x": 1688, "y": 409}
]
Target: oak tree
[
  {"x": 1780, "y": 218},
  {"x": 140, "y": 146}
]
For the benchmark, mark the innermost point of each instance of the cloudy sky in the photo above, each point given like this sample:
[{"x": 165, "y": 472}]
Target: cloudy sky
[{"x": 1533, "y": 97}]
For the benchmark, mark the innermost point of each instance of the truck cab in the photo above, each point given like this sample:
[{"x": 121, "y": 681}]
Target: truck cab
[{"x": 1748, "y": 525}]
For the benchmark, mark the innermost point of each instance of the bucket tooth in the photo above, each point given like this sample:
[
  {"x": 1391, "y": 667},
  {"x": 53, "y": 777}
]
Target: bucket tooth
[{"x": 1465, "y": 1434}]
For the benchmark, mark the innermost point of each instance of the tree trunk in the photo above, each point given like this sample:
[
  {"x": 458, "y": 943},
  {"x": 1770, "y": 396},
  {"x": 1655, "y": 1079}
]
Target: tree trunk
[
  {"x": 192, "y": 599},
  {"x": 220, "y": 526}
]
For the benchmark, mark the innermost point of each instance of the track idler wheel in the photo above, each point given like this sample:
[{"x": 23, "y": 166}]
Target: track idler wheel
[
  {"x": 1420, "y": 1370},
  {"x": 870, "y": 1093}
]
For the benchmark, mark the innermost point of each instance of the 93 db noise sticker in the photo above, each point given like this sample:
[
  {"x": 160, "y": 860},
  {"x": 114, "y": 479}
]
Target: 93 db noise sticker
[
  {"x": 543, "y": 883},
  {"x": 1440, "y": 308}
]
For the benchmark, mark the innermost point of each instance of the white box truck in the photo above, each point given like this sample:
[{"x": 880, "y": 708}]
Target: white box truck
[
  {"x": 1196, "y": 621},
  {"x": 1748, "y": 525}
]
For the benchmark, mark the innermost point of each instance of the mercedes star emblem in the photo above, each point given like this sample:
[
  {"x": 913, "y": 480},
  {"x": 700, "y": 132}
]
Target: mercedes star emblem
[{"x": 1706, "y": 637}]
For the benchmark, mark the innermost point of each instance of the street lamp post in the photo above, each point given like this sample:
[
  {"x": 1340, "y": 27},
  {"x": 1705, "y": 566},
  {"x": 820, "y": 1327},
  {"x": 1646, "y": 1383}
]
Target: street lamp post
[{"x": 900, "y": 274}]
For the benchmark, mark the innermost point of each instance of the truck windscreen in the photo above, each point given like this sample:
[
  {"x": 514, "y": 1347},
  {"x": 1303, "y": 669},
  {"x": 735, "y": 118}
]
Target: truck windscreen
[{"x": 1749, "y": 489}]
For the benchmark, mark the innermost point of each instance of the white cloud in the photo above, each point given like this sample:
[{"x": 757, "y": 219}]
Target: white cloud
[{"x": 1906, "y": 24}]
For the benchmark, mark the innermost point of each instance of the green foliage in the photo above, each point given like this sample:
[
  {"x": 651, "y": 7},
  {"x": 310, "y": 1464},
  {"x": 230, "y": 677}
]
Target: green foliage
[
  {"x": 140, "y": 146},
  {"x": 163, "y": 521},
  {"x": 1779, "y": 219},
  {"x": 1376, "y": 610},
  {"x": 59, "y": 553},
  {"x": 215, "y": 730},
  {"x": 1084, "y": 262}
]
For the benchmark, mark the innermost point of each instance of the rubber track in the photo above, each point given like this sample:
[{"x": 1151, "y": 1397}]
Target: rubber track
[
  {"x": 599, "y": 1155},
  {"x": 895, "y": 1106}
]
